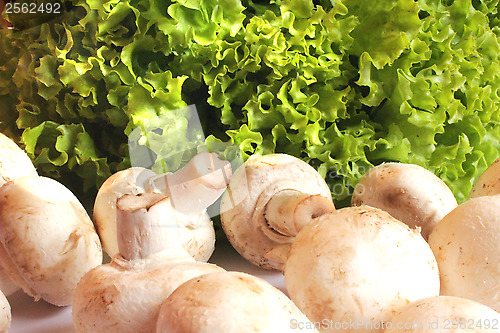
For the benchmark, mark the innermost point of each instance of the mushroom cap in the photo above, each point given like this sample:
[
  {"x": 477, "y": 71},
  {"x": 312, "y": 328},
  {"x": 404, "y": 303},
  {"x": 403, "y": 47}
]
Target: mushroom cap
[
  {"x": 243, "y": 204},
  {"x": 444, "y": 314},
  {"x": 466, "y": 244},
  {"x": 230, "y": 302},
  {"x": 47, "y": 240},
  {"x": 14, "y": 162},
  {"x": 128, "y": 181},
  {"x": 5, "y": 314},
  {"x": 358, "y": 264},
  {"x": 488, "y": 182},
  {"x": 408, "y": 192},
  {"x": 125, "y": 296}
]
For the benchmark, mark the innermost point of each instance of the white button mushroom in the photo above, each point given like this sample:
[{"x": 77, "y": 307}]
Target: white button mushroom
[
  {"x": 466, "y": 244},
  {"x": 157, "y": 247},
  {"x": 408, "y": 192},
  {"x": 174, "y": 204},
  {"x": 488, "y": 182},
  {"x": 47, "y": 240},
  {"x": 125, "y": 296},
  {"x": 269, "y": 200},
  {"x": 14, "y": 163},
  {"x": 5, "y": 314},
  {"x": 230, "y": 302},
  {"x": 356, "y": 266},
  {"x": 443, "y": 314}
]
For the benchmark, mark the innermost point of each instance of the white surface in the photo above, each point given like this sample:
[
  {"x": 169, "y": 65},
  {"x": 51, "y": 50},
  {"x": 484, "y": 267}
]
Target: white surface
[{"x": 29, "y": 316}]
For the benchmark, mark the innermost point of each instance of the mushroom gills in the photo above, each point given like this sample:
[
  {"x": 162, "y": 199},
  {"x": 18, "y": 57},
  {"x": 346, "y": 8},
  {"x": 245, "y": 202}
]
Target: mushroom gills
[{"x": 269, "y": 200}]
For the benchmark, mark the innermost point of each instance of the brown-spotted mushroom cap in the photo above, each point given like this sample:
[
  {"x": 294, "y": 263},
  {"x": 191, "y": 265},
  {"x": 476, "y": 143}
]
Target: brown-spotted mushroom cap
[
  {"x": 466, "y": 243},
  {"x": 408, "y": 192},
  {"x": 125, "y": 296},
  {"x": 488, "y": 182},
  {"x": 230, "y": 302},
  {"x": 269, "y": 199},
  {"x": 358, "y": 264},
  {"x": 47, "y": 240}
]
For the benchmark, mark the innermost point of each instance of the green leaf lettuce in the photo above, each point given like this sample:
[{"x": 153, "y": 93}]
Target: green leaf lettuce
[{"x": 342, "y": 84}]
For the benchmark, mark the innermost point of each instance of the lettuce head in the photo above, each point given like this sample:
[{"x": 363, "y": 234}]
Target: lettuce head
[{"x": 342, "y": 84}]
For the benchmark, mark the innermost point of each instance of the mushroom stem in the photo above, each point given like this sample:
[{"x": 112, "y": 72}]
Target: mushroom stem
[
  {"x": 270, "y": 198},
  {"x": 148, "y": 223},
  {"x": 137, "y": 225},
  {"x": 195, "y": 186},
  {"x": 288, "y": 211}
]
